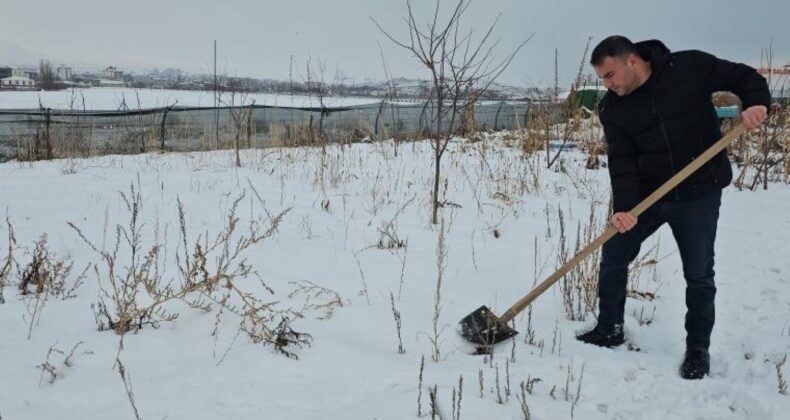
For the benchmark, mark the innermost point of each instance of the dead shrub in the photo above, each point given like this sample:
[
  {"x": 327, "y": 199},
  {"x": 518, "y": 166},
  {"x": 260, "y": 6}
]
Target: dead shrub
[
  {"x": 46, "y": 274},
  {"x": 317, "y": 299},
  {"x": 210, "y": 272},
  {"x": 54, "y": 370},
  {"x": 43, "y": 277}
]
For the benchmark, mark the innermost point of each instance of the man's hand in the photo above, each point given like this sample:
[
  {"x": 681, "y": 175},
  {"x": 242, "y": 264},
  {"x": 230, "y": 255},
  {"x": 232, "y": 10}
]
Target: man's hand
[
  {"x": 753, "y": 116},
  {"x": 623, "y": 221}
]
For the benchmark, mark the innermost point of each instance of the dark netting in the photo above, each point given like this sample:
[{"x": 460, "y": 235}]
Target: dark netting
[{"x": 45, "y": 133}]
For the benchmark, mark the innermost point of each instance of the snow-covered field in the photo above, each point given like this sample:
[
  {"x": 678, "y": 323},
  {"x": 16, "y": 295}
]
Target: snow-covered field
[
  {"x": 501, "y": 231},
  {"x": 113, "y": 99}
]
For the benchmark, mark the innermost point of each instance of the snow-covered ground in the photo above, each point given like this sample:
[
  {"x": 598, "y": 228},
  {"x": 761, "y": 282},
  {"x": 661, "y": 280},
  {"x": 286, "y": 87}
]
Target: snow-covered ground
[
  {"x": 113, "y": 99},
  {"x": 502, "y": 230}
]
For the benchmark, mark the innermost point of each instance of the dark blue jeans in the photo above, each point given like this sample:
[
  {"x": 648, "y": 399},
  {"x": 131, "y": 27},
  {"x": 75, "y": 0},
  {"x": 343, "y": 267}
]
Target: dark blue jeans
[{"x": 693, "y": 225}]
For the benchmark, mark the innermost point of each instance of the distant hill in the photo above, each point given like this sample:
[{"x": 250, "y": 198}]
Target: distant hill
[
  {"x": 420, "y": 88},
  {"x": 14, "y": 55}
]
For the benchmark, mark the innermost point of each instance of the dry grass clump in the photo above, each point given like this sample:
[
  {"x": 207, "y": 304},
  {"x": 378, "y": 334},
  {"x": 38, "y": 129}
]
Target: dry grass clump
[
  {"x": 317, "y": 299},
  {"x": 579, "y": 287},
  {"x": 54, "y": 370},
  {"x": 211, "y": 272},
  {"x": 46, "y": 274}
]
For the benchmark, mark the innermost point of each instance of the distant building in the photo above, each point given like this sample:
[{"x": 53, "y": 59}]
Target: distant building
[
  {"x": 64, "y": 72},
  {"x": 22, "y": 72},
  {"x": 111, "y": 83},
  {"x": 86, "y": 80},
  {"x": 5, "y": 72},
  {"x": 113, "y": 73},
  {"x": 17, "y": 82}
]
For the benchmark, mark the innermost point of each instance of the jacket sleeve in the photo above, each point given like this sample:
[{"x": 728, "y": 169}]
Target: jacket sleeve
[
  {"x": 623, "y": 169},
  {"x": 740, "y": 79}
]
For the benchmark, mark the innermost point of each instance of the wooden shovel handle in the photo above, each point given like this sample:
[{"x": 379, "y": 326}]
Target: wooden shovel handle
[{"x": 611, "y": 231}]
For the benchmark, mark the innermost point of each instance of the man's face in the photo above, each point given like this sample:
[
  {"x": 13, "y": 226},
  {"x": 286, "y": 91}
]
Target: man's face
[{"x": 618, "y": 74}]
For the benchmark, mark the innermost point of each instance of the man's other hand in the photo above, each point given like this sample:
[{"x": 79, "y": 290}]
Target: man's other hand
[
  {"x": 753, "y": 116},
  {"x": 623, "y": 221}
]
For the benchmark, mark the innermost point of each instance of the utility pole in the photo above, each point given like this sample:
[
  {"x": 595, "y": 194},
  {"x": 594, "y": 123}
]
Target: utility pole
[
  {"x": 291, "y": 86},
  {"x": 216, "y": 95}
]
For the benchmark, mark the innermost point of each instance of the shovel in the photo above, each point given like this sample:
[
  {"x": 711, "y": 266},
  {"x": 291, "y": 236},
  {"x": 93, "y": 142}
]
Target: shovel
[{"x": 484, "y": 328}]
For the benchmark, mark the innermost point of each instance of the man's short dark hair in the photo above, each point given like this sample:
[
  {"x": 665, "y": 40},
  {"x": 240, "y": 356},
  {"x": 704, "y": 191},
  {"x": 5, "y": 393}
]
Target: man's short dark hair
[{"x": 613, "y": 46}]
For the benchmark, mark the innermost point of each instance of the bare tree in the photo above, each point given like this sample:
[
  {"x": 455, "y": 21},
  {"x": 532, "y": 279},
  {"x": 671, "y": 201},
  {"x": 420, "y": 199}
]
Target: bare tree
[
  {"x": 315, "y": 81},
  {"x": 473, "y": 69},
  {"x": 461, "y": 66},
  {"x": 47, "y": 79},
  {"x": 240, "y": 109}
]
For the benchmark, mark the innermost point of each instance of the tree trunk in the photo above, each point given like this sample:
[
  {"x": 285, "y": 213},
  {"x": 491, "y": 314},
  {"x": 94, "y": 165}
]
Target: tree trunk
[
  {"x": 436, "y": 175},
  {"x": 437, "y": 153}
]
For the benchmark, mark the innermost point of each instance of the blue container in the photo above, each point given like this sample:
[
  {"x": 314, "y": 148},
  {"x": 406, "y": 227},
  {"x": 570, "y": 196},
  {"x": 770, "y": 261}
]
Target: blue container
[{"x": 727, "y": 111}]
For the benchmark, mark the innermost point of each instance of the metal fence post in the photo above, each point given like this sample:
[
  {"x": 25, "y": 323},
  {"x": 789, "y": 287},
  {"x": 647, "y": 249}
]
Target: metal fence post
[
  {"x": 376, "y": 124},
  {"x": 423, "y": 118},
  {"x": 49, "y": 139},
  {"x": 162, "y": 133},
  {"x": 526, "y": 114},
  {"x": 496, "y": 117}
]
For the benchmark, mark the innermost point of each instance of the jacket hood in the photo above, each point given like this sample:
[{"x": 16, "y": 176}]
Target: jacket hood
[{"x": 652, "y": 50}]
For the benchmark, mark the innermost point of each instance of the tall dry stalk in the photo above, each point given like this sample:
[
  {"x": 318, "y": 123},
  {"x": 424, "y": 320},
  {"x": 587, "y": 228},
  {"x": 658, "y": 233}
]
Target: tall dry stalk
[
  {"x": 441, "y": 266},
  {"x": 9, "y": 262}
]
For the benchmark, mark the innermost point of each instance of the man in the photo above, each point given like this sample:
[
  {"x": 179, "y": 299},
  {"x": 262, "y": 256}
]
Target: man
[{"x": 658, "y": 117}]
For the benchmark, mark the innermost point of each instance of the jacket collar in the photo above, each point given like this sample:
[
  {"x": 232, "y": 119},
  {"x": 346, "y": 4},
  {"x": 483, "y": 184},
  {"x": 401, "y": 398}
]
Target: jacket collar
[{"x": 653, "y": 51}]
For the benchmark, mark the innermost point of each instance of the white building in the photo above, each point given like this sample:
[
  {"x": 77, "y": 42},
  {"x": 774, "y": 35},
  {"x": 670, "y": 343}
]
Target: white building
[
  {"x": 113, "y": 73},
  {"x": 17, "y": 82},
  {"x": 22, "y": 72},
  {"x": 64, "y": 72}
]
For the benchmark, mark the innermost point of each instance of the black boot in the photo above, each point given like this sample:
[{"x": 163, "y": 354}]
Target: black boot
[
  {"x": 604, "y": 337},
  {"x": 696, "y": 364}
]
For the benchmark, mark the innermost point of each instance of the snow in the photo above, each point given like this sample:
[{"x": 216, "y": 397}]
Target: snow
[
  {"x": 353, "y": 369},
  {"x": 113, "y": 98}
]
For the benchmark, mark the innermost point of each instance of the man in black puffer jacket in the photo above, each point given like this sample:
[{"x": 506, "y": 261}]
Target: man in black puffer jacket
[{"x": 657, "y": 118}]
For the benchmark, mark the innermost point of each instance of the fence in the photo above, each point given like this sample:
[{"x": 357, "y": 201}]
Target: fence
[{"x": 47, "y": 133}]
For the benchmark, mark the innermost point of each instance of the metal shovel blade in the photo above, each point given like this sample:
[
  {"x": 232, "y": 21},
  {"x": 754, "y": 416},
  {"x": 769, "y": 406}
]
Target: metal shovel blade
[{"x": 484, "y": 328}]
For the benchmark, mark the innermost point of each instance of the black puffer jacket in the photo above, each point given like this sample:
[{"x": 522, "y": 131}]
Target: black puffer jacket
[{"x": 659, "y": 128}]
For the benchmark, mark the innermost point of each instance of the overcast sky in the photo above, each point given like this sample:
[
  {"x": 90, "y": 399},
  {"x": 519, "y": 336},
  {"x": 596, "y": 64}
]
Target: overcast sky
[{"x": 257, "y": 38}]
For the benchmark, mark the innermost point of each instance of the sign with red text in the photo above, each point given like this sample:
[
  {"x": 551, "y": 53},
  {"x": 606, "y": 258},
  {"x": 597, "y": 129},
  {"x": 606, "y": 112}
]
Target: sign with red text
[{"x": 780, "y": 71}]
